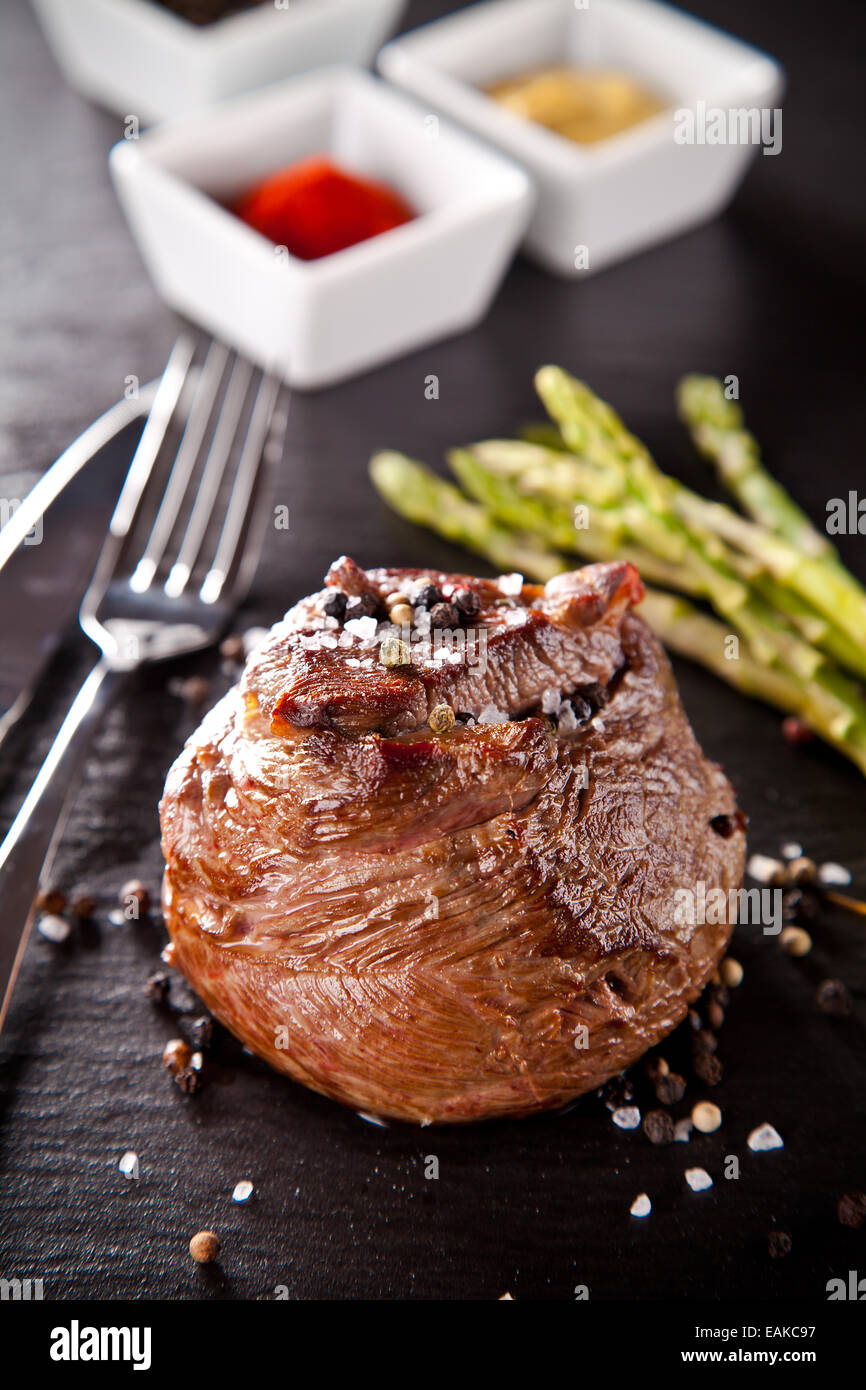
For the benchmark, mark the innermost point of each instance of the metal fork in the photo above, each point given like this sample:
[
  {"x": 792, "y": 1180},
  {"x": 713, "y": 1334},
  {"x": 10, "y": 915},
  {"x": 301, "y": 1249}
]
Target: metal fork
[{"x": 181, "y": 547}]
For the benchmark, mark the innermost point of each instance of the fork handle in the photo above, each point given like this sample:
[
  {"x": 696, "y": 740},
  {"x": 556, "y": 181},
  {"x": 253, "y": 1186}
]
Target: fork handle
[{"x": 28, "y": 849}]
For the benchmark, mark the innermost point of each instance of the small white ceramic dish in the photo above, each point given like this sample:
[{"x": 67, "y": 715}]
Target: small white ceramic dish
[
  {"x": 597, "y": 203},
  {"x": 316, "y": 322},
  {"x": 138, "y": 58}
]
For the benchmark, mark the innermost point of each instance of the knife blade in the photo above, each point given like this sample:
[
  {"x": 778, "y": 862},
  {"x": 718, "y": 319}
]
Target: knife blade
[{"x": 45, "y": 548}]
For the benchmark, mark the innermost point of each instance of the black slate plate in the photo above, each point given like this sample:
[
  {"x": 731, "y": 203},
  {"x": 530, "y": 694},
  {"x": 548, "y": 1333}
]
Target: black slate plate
[{"x": 342, "y": 1208}]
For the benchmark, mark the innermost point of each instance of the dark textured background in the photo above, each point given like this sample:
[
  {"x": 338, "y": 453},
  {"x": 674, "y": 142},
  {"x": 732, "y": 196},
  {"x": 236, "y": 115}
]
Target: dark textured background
[{"x": 772, "y": 292}]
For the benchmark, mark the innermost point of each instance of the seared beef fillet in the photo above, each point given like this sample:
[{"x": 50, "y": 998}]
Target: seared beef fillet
[{"x": 447, "y": 927}]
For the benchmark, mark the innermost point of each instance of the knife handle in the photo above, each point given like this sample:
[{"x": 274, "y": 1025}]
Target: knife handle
[{"x": 29, "y": 846}]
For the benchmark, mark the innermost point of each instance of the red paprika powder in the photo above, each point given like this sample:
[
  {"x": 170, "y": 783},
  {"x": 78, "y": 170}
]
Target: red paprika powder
[{"x": 314, "y": 209}]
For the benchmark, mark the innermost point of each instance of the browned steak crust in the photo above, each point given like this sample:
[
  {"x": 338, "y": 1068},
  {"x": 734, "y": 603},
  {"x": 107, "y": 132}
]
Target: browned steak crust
[{"x": 447, "y": 927}]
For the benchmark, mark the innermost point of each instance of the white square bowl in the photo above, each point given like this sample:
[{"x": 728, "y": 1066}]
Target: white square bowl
[
  {"x": 317, "y": 322},
  {"x": 596, "y": 203},
  {"x": 138, "y": 58}
]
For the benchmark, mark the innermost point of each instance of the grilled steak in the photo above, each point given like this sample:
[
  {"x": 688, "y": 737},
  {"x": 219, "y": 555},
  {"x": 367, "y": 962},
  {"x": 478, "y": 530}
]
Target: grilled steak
[{"x": 447, "y": 926}]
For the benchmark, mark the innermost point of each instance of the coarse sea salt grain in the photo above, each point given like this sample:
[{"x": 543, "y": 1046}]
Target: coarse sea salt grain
[
  {"x": 763, "y": 869},
  {"x": 128, "y": 1165},
  {"x": 491, "y": 714},
  {"x": 550, "y": 700},
  {"x": 682, "y": 1131},
  {"x": 510, "y": 584},
  {"x": 365, "y": 628},
  {"x": 626, "y": 1117},
  {"x": 243, "y": 1191},
  {"x": 834, "y": 875},
  {"x": 566, "y": 718},
  {"x": 698, "y": 1179},
  {"x": 792, "y": 850},
  {"x": 372, "y": 1119},
  {"x": 641, "y": 1206},
  {"x": 765, "y": 1137},
  {"x": 53, "y": 928}
]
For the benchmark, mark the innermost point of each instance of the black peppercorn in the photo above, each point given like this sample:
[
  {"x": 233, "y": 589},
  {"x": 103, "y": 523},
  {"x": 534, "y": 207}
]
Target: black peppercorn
[
  {"x": 723, "y": 825},
  {"x": 616, "y": 1092},
  {"x": 467, "y": 602},
  {"x": 444, "y": 615},
  {"x": 335, "y": 604},
  {"x": 719, "y": 995},
  {"x": 428, "y": 595},
  {"x": 715, "y": 1015},
  {"x": 834, "y": 998},
  {"x": 801, "y": 906},
  {"x": 364, "y": 606},
  {"x": 778, "y": 1244},
  {"x": 189, "y": 1080},
  {"x": 670, "y": 1088},
  {"x": 658, "y": 1127},
  {"x": 157, "y": 986},
  {"x": 707, "y": 1068},
  {"x": 200, "y": 1031},
  {"x": 595, "y": 694},
  {"x": 50, "y": 900}
]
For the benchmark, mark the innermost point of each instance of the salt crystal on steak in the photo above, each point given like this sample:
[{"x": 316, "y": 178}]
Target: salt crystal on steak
[
  {"x": 510, "y": 584},
  {"x": 365, "y": 628},
  {"x": 491, "y": 714}
]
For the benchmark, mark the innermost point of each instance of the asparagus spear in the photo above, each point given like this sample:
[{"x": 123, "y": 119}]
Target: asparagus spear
[
  {"x": 423, "y": 497},
  {"x": 535, "y": 487},
  {"x": 811, "y": 624},
  {"x": 701, "y": 563},
  {"x": 684, "y": 629},
  {"x": 771, "y": 638},
  {"x": 823, "y": 583},
  {"x": 718, "y": 429},
  {"x": 592, "y": 428},
  {"x": 554, "y": 520}
]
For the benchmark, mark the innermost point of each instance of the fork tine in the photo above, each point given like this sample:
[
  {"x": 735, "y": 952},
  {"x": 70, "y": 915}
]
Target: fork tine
[
  {"x": 242, "y": 489},
  {"x": 182, "y": 469},
  {"x": 214, "y": 469},
  {"x": 153, "y": 435}
]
